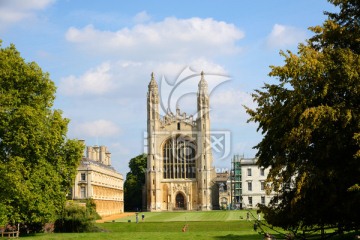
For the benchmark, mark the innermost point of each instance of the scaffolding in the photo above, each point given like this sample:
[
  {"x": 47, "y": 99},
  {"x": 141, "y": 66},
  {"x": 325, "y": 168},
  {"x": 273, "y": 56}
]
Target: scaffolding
[{"x": 235, "y": 178}]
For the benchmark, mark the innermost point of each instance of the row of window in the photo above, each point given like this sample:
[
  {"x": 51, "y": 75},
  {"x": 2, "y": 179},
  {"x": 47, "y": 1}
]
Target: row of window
[
  {"x": 262, "y": 172},
  {"x": 250, "y": 200},
  {"x": 83, "y": 192},
  {"x": 83, "y": 178},
  {"x": 262, "y": 186}
]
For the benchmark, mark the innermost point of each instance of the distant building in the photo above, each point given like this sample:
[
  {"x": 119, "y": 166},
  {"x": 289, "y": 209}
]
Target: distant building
[
  {"x": 222, "y": 191},
  {"x": 98, "y": 180},
  {"x": 248, "y": 183}
]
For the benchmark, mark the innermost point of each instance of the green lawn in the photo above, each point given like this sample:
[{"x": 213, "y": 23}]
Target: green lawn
[
  {"x": 190, "y": 216},
  {"x": 168, "y": 225},
  {"x": 164, "y": 230}
]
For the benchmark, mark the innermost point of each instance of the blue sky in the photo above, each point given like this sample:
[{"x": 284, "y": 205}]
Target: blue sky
[{"x": 100, "y": 54}]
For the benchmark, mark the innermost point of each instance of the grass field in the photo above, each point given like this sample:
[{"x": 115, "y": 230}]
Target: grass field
[
  {"x": 168, "y": 225},
  {"x": 163, "y": 230},
  {"x": 191, "y": 216}
]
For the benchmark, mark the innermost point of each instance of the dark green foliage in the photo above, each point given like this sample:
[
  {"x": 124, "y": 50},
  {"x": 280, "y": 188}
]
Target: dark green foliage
[
  {"x": 77, "y": 218},
  {"x": 37, "y": 162},
  {"x": 341, "y": 30},
  {"x": 311, "y": 127},
  {"x": 135, "y": 180}
]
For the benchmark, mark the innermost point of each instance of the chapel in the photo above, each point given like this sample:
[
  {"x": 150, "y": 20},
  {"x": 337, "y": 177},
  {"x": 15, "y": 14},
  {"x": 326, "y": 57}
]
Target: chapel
[{"x": 180, "y": 170}]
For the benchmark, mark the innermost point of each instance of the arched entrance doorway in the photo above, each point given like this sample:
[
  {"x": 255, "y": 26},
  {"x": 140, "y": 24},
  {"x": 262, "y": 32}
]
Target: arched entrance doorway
[{"x": 180, "y": 201}]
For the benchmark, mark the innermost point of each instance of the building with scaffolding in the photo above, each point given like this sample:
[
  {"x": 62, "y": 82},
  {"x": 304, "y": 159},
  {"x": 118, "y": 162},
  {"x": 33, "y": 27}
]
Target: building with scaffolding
[
  {"x": 235, "y": 183},
  {"x": 248, "y": 183}
]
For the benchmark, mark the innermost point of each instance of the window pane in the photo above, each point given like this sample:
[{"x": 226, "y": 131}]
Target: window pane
[
  {"x": 250, "y": 186},
  {"x": 179, "y": 158},
  {"x": 83, "y": 192}
]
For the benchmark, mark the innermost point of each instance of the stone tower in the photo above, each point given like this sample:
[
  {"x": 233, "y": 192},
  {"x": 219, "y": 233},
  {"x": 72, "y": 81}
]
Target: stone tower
[{"x": 179, "y": 164}]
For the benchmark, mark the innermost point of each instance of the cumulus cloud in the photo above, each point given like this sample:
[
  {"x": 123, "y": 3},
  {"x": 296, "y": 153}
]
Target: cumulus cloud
[
  {"x": 228, "y": 106},
  {"x": 12, "y": 11},
  {"x": 120, "y": 76},
  {"x": 97, "y": 128},
  {"x": 171, "y": 38},
  {"x": 142, "y": 17},
  {"x": 285, "y": 36},
  {"x": 95, "y": 81}
]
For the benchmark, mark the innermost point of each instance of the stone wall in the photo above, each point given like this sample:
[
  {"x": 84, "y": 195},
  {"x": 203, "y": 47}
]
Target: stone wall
[
  {"x": 105, "y": 193},
  {"x": 108, "y": 207}
]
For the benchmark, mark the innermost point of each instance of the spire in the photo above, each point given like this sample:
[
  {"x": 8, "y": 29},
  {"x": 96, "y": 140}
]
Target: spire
[
  {"x": 153, "y": 83},
  {"x": 177, "y": 110},
  {"x": 203, "y": 84}
]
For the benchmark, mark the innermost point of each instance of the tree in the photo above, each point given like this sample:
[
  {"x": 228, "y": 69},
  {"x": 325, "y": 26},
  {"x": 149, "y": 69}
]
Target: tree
[
  {"x": 37, "y": 162},
  {"x": 135, "y": 180},
  {"x": 311, "y": 128}
]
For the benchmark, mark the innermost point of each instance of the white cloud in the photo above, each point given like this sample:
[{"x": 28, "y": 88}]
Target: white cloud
[
  {"x": 171, "y": 38},
  {"x": 120, "y": 147},
  {"x": 231, "y": 98},
  {"x": 120, "y": 76},
  {"x": 228, "y": 106},
  {"x": 12, "y": 11},
  {"x": 142, "y": 17},
  {"x": 97, "y": 128},
  {"x": 285, "y": 36},
  {"x": 172, "y": 69},
  {"x": 94, "y": 81}
]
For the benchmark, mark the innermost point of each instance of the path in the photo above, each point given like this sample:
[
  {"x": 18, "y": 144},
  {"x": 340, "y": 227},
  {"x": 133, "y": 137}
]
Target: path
[{"x": 114, "y": 217}]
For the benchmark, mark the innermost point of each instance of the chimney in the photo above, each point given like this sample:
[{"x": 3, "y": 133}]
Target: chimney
[
  {"x": 96, "y": 153},
  {"x": 108, "y": 158},
  {"x": 89, "y": 152},
  {"x": 102, "y": 154}
]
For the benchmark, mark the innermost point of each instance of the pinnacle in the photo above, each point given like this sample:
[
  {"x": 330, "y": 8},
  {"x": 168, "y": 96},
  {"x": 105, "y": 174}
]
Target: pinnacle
[
  {"x": 202, "y": 82},
  {"x": 153, "y": 82}
]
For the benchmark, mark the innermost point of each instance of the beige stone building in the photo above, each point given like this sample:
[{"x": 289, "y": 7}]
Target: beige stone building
[
  {"x": 248, "y": 184},
  {"x": 98, "y": 180},
  {"x": 179, "y": 165},
  {"x": 222, "y": 189},
  {"x": 253, "y": 184}
]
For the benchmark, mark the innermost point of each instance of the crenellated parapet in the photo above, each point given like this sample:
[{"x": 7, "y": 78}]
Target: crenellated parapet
[{"x": 171, "y": 118}]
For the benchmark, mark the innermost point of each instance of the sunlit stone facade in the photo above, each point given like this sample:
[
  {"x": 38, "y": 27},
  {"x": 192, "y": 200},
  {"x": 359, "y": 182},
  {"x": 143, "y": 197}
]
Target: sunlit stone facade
[
  {"x": 179, "y": 164},
  {"x": 98, "y": 180}
]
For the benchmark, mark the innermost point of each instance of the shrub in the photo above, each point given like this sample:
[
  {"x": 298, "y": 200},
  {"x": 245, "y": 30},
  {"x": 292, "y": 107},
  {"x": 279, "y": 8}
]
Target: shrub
[{"x": 77, "y": 218}]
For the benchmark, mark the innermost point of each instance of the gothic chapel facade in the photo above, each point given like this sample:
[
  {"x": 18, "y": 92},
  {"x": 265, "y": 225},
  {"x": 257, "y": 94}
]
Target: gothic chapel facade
[{"x": 179, "y": 163}]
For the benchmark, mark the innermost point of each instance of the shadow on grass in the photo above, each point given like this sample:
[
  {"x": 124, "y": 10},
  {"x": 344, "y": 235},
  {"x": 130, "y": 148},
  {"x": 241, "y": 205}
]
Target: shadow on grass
[
  {"x": 346, "y": 236},
  {"x": 236, "y": 236}
]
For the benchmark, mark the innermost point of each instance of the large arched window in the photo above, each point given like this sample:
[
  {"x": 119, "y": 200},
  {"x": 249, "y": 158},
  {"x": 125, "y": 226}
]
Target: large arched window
[{"x": 179, "y": 158}]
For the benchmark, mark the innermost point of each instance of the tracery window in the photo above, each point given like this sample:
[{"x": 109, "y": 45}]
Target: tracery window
[{"x": 179, "y": 158}]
